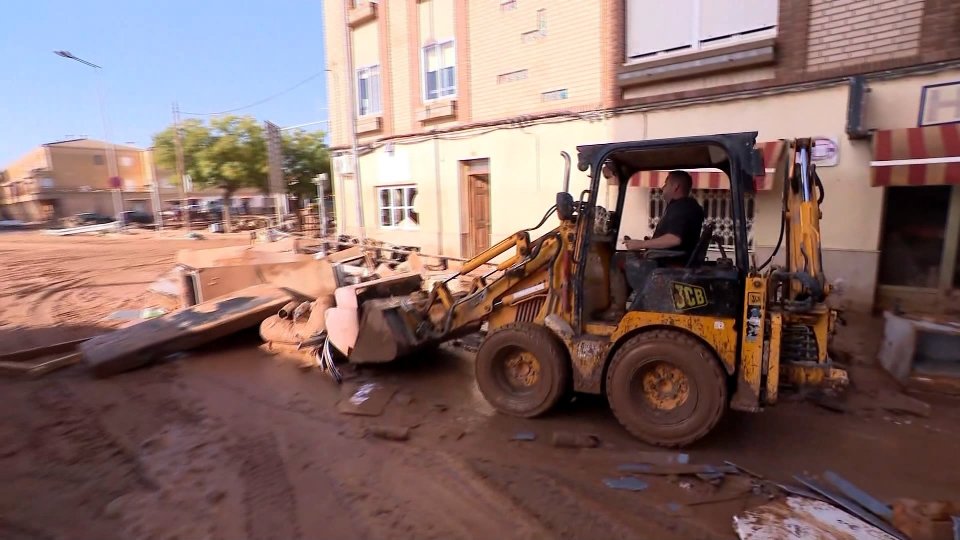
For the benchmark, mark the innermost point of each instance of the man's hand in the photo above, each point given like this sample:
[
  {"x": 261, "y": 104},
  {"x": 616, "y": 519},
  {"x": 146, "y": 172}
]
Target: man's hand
[{"x": 633, "y": 245}]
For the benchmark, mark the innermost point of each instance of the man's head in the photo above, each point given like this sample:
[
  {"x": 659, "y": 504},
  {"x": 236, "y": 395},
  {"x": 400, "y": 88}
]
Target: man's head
[{"x": 677, "y": 186}]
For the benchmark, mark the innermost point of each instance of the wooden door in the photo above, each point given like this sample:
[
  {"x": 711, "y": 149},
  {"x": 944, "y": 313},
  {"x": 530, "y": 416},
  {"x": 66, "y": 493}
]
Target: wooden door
[{"x": 479, "y": 210}]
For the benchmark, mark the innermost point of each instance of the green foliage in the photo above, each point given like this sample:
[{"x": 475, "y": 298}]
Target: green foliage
[
  {"x": 230, "y": 152},
  {"x": 305, "y": 155}
]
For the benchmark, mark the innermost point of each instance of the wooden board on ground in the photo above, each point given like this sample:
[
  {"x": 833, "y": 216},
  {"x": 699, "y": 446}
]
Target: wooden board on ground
[
  {"x": 181, "y": 330},
  {"x": 29, "y": 354},
  {"x": 36, "y": 369}
]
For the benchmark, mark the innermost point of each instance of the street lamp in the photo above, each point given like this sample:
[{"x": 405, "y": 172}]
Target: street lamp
[{"x": 112, "y": 165}]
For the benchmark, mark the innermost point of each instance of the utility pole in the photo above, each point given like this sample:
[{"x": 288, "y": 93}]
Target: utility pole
[
  {"x": 157, "y": 199},
  {"x": 352, "y": 105},
  {"x": 113, "y": 167},
  {"x": 178, "y": 149}
]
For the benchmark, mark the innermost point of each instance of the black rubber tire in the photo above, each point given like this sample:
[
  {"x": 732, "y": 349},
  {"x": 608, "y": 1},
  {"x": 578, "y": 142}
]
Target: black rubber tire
[
  {"x": 552, "y": 384},
  {"x": 706, "y": 381}
]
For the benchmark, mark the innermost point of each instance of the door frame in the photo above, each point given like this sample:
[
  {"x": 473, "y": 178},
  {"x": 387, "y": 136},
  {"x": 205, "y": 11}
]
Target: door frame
[
  {"x": 468, "y": 168},
  {"x": 923, "y": 299}
]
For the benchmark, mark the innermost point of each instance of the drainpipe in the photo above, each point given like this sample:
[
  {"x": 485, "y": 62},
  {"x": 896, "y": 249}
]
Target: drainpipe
[
  {"x": 436, "y": 177},
  {"x": 348, "y": 45}
]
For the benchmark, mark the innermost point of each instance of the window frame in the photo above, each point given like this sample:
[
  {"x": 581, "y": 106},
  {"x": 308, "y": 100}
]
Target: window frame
[
  {"x": 656, "y": 206},
  {"x": 406, "y": 209},
  {"x": 379, "y": 110},
  {"x": 696, "y": 43},
  {"x": 423, "y": 70}
]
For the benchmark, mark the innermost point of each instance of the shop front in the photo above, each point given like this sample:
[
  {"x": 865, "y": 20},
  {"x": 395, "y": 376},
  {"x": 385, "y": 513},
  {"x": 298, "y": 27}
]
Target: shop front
[{"x": 919, "y": 170}]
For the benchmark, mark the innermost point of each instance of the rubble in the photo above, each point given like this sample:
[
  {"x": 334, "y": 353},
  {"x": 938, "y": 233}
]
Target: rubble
[
  {"x": 922, "y": 351},
  {"x": 798, "y": 518}
]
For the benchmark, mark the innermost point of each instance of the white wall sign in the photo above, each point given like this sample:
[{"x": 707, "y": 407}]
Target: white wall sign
[{"x": 826, "y": 151}]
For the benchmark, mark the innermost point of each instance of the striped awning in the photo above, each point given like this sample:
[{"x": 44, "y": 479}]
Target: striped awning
[
  {"x": 921, "y": 156},
  {"x": 715, "y": 179}
]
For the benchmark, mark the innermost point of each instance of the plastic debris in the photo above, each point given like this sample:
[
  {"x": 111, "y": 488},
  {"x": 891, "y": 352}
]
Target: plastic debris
[{"x": 627, "y": 483}]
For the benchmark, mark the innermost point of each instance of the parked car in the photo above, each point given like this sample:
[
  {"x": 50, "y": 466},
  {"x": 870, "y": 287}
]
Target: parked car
[{"x": 135, "y": 216}]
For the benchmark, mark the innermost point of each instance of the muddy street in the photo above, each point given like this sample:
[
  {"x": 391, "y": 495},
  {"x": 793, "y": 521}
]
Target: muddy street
[{"x": 229, "y": 442}]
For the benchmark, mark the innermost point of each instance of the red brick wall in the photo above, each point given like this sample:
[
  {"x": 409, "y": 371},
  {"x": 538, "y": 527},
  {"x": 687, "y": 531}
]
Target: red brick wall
[{"x": 824, "y": 39}]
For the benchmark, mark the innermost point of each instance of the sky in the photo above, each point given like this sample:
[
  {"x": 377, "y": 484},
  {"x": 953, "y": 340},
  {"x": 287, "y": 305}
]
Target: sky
[{"x": 207, "y": 55}]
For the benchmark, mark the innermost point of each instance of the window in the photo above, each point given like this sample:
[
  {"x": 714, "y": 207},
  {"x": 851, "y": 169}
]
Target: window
[
  {"x": 508, "y": 5},
  {"x": 439, "y": 70},
  {"x": 717, "y": 210},
  {"x": 396, "y": 204},
  {"x": 98, "y": 159},
  {"x": 655, "y": 27},
  {"x": 512, "y": 76},
  {"x": 554, "y": 95},
  {"x": 368, "y": 91}
]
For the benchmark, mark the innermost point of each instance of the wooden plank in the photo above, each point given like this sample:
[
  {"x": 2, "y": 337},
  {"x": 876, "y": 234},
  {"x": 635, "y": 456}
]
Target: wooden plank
[
  {"x": 184, "y": 329},
  {"x": 42, "y": 368},
  {"x": 37, "y": 352}
]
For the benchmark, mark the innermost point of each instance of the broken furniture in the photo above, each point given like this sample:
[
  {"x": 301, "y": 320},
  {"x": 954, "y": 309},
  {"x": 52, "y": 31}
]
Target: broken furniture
[{"x": 921, "y": 351}]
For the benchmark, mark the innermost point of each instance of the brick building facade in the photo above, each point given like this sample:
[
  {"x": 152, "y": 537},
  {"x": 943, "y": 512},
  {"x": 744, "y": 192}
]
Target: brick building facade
[{"x": 468, "y": 105}]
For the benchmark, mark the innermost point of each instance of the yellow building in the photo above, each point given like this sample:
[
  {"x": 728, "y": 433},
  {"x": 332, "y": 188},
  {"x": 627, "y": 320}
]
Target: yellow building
[
  {"x": 463, "y": 108},
  {"x": 63, "y": 178}
]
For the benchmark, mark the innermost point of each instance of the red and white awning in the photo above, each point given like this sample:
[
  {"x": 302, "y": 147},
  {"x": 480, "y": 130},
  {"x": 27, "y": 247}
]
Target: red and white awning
[
  {"x": 922, "y": 156},
  {"x": 715, "y": 179}
]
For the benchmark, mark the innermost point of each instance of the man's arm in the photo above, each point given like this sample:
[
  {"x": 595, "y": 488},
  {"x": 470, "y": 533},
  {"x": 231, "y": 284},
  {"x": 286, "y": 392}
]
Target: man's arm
[{"x": 667, "y": 241}]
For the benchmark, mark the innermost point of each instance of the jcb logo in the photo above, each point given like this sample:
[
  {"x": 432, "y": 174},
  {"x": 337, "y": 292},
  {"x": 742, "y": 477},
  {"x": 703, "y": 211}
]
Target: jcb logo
[{"x": 688, "y": 296}]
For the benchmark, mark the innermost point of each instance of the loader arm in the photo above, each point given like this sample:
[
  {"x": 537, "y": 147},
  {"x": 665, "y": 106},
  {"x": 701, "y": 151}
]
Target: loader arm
[{"x": 472, "y": 309}]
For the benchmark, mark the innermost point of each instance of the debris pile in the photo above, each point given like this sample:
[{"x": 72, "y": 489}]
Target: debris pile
[{"x": 295, "y": 290}]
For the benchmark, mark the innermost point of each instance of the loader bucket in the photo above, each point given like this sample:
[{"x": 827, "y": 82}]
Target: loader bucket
[{"x": 383, "y": 336}]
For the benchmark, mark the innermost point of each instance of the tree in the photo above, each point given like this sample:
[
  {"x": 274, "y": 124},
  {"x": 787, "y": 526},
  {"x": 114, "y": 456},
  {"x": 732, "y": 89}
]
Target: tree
[
  {"x": 196, "y": 137},
  {"x": 305, "y": 155},
  {"x": 236, "y": 158},
  {"x": 230, "y": 153}
]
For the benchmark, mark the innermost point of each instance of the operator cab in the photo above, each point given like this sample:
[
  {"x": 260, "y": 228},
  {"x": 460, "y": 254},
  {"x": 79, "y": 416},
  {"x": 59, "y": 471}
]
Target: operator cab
[{"x": 687, "y": 283}]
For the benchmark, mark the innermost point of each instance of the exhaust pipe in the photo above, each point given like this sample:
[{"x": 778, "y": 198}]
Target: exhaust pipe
[{"x": 566, "y": 171}]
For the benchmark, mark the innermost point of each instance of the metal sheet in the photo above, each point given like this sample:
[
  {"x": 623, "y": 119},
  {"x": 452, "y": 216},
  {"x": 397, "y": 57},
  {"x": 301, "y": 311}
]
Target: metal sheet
[
  {"x": 863, "y": 498},
  {"x": 803, "y": 519},
  {"x": 849, "y": 506}
]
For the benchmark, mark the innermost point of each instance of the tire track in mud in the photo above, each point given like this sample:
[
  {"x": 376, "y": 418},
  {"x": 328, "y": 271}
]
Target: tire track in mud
[
  {"x": 271, "y": 508},
  {"x": 568, "y": 509}
]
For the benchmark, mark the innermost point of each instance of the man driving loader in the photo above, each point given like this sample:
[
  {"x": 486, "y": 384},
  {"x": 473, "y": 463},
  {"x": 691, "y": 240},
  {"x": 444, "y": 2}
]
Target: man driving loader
[{"x": 678, "y": 230}]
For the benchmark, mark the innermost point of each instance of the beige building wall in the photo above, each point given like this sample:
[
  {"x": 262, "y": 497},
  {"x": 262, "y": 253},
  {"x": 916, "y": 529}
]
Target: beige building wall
[
  {"x": 526, "y": 172},
  {"x": 88, "y": 166},
  {"x": 524, "y": 60},
  {"x": 336, "y": 72}
]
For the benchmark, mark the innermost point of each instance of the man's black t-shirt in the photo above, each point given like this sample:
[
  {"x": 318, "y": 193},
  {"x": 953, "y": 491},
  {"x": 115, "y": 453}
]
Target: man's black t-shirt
[{"x": 684, "y": 218}]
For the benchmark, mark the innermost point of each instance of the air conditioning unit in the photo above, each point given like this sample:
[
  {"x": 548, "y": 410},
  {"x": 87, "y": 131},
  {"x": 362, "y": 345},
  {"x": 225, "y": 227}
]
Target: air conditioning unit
[{"x": 343, "y": 164}]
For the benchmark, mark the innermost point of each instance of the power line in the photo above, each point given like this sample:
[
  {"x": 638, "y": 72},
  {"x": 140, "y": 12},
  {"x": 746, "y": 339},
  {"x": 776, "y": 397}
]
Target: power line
[{"x": 258, "y": 102}]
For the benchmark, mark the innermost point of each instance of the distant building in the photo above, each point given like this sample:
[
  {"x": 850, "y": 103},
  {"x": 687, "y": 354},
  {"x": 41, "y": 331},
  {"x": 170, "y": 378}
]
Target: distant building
[
  {"x": 464, "y": 106},
  {"x": 65, "y": 178},
  {"x": 68, "y": 177}
]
